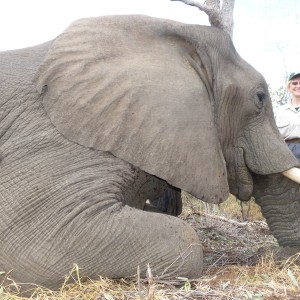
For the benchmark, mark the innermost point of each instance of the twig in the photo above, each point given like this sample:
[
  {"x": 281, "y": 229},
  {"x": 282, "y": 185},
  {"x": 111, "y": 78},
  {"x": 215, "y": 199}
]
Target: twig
[
  {"x": 220, "y": 218},
  {"x": 139, "y": 282},
  {"x": 214, "y": 264},
  {"x": 150, "y": 282}
]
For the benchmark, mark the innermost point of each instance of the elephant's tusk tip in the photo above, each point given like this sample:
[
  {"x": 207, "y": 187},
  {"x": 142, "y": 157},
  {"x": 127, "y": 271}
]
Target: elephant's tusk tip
[{"x": 293, "y": 174}]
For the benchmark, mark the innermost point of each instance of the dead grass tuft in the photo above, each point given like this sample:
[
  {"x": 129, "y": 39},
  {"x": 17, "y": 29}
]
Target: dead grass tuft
[{"x": 232, "y": 208}]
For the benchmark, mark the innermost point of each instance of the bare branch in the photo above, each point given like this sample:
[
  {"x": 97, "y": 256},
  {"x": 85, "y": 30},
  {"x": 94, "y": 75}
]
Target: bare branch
[
  {"x": 216, "y": 217},
  {"x": 220, "y": 17},
  {"x": 207, "y": 9},
  {"x": 213, "y": 3}
]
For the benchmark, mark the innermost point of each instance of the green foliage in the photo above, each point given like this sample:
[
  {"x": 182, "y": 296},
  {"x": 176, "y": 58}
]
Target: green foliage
[
  {"x": 187, "y": 284},
  {"x": 279, "y": 96}
]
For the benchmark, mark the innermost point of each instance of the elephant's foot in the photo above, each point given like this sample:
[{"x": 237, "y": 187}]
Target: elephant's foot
[
  {"x": 137, "y": 238},
  {"x": 278, "y": 253},
  {"x": 287, "y": 253}
]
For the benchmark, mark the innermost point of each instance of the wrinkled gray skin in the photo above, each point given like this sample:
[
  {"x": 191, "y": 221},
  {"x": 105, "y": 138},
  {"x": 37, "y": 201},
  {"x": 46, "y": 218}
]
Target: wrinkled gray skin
[{"x": 118, "y": 110}]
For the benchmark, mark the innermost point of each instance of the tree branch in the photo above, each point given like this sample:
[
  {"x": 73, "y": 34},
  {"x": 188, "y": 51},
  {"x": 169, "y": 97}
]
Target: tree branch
[
  {"x": 206, "y": 8},
  {"x": 220, "y": 17}
]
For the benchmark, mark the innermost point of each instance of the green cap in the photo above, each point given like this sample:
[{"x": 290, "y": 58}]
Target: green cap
[{"x": 293, "y": 75}]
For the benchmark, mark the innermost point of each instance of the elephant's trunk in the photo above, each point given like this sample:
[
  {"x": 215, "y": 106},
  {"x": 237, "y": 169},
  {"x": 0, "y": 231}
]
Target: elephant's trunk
[{"x": 279, "y": 199}]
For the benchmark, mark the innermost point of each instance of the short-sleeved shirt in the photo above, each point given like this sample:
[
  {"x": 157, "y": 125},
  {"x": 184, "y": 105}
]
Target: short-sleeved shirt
[{"x": 287, "y": 119}]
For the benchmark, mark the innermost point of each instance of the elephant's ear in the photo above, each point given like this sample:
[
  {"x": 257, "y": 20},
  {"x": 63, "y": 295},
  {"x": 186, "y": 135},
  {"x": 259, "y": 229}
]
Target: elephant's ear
[{"x": 135, "y": 87}]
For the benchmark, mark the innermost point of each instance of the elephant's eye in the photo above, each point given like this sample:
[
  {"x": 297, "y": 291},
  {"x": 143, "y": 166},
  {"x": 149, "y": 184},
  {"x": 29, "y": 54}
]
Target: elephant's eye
[{"x": 261, "y": 97}]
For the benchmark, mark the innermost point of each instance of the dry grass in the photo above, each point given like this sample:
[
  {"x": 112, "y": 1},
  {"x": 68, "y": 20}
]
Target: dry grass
[
  {"x": 231, "y": 209},
  {"x": 267, "y": 279}
]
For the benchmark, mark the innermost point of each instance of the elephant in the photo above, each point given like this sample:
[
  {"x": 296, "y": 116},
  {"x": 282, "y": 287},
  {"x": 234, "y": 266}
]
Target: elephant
[{"x": 102, "y": 128}]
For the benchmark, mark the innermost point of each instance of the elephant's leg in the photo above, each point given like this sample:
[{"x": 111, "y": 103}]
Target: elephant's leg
[{"x": 113, "y": 244}]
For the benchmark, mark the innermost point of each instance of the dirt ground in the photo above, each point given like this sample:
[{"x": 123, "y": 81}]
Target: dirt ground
[
  {"x": 229, "y": 242},
  {"x": 242, "y": 259}
]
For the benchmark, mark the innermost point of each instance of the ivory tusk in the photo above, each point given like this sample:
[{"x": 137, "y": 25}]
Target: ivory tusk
[{"x": 293, "y": 174}]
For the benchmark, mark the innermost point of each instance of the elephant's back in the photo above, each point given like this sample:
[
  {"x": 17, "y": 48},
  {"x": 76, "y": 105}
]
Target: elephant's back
[{"x": 22, "y": 62}]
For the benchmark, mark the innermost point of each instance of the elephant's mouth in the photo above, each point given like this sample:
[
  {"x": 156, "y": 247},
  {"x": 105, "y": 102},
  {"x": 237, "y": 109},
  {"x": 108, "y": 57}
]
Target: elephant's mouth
[{"x": 240, "y": 177}]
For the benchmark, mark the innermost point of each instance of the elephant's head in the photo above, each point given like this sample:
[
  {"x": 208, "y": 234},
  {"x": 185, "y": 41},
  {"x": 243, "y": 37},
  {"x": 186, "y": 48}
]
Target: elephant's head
[{"x": 175, "y": 100}]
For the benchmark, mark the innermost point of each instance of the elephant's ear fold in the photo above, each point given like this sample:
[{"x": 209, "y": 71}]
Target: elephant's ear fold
[{"x": 121, "y": 86}]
